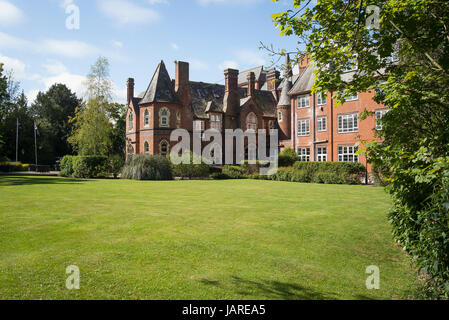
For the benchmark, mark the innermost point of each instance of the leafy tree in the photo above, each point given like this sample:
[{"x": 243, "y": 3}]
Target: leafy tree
[
  {"x": 409, "y": 51},
  {"x": 52, "y": 109},
  {"x": 92, "y": 129},
  {"x": 117, "y": 113}
]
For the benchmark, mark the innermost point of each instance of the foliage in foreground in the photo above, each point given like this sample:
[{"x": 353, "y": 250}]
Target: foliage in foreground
[
  {"x": 402, "y": 54},
  {"x": 147, "y": 167},
  {"x": 287, "y": 157},
  {"x": 190, "y": 170}
]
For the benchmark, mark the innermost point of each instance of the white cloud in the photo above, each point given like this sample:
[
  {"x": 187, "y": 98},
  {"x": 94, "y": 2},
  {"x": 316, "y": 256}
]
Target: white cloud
[
  {"x": 10, "y": 15},
  {"x": 54, "y": 67},
  {"x": 174, "y": 46},
  {"x": 65, "y": 3},
  {"x": 117, "y": 44},
  {"x": 66, "y": 48},
  {"x": 125, "y": 12},
  {"x": 32, "y": 95},
  {"x": 18, "y": 67},
  {"x": 228, "y": 64},
  {"x": 158, "y": 1},
  {"x": 252, "y": 58}
]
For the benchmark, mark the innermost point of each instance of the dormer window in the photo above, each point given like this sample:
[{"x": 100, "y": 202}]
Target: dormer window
[
  {"x": 164, "y": 117},
  {"x": 215, "y": 121}
]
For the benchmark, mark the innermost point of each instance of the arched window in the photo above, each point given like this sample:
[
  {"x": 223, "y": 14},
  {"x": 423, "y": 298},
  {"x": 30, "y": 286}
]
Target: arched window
[
  {"x": 130, "y": 150},
  {"x": 164, "y": 147},
  {"x": 251, "y": 121},
  {"x": 164, "y": 117},
  {"x": 178, "y": 120},
  {"x": 130, "y": 121},
  {"x": 146, "y": 118},
  {"x": 146, "y": 147}
]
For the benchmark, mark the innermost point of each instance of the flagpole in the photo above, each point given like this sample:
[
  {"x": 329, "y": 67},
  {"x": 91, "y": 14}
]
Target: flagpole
[
  {"x": 35, "y": 144},
  {"x": 17, "y": 140}
]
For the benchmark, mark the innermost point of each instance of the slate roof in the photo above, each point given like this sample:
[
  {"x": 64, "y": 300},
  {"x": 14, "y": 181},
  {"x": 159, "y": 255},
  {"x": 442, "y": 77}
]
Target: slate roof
[
  {"x": 264, "y": 100},
  {"x": 160, "y": 88},
  {"x": 305, "y": 81},
  {"x": 243, "y": 75}
]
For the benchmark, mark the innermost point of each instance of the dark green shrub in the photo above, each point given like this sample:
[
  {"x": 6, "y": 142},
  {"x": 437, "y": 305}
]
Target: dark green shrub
[
  {"x": 287, "y": 157},
  {"x": 342, "y": 172},
  {"x": 116, "y": 164},
  {"x": 234, "y": 172},
  {"x": 90, "y": 167},
  {"x": 283, "y": 174},
  {"x": 328, "y": 178},
  {"x": 66, "y": 166},
  {"x": 300, "y": 176},
  {"x": 13, "y": 167},
  {"x": 219, "y": 176},
  {"x": 191, "y": 170},
  {"x": 146, "y": 167}
]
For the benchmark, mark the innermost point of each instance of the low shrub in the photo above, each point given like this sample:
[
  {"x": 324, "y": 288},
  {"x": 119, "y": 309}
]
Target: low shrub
[
  {"x": 328, "y": 178},
  {"x": 234, "y": 172},
  {"x": 13, "y": 167},
  {"x": 283, "y": 174},
  {"x": 66, "y": 166},
  {"x": 191, "y": 170},
  {"x": 287, "y": 157},
  {"x": 339, "y": 172},
  {"x": 219, "y": 176},
  {"x": 116, "y": 164},
  {"x": 146, "y": 167},
  {"x": 300, "y": 176},
  {"x": 90, "y": 167}
]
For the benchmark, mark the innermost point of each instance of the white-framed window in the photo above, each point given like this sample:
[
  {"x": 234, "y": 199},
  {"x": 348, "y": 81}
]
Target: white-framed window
[
  {"x": 321, "y": 154},
  {"x": 304, "y": 154},
  {"x": 304, "y": 101},
  {"x": 352, "y": 97},
  {"x": 280, "y": 116},
  {"x": 146, "y": 147},
  {"x": 303, "y": 127},
  {"x": 198, "y": 125},
  {"x": 164, "y": 117},
  {"x": 320, "y": 100},
  {"x": 146, "y": 118},
  {"x": 348, "y": 123},
  {"x": 215, "y": 121},
  {"x": 164, "y": 147},
  {"x": 251, "y": 121},
  {"x": 347, "y": 154},
  {"x": 379, "y": 115},
  {"x": 321, "y": 124},
  {"x": 130, "y": 121}
]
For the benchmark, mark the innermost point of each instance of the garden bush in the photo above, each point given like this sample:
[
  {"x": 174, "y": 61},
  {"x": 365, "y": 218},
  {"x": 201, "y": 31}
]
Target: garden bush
[
  {"x": 66, "y": 166},
  {"x": 116, "y": 164},
  {"x": 191, "y": 170},
  {"x": 342, "y": 172},
  {"x": 219, "y": 176},
  {"x": 146, "y": 167},
  {"x": 13, "y": 167},
  {"x": 234, "y": 172},
  {"x": 90, "y": 167},
  {"x": 287, "y": 157}
]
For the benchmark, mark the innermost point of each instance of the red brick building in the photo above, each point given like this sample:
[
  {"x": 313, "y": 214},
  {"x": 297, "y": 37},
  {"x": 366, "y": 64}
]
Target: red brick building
[{"x": 251, "y": 99}]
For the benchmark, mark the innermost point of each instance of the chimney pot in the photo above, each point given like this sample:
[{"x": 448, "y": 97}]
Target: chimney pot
[
  {"x": 231, "y": 79},
  {"x": 130, "y": 89}
]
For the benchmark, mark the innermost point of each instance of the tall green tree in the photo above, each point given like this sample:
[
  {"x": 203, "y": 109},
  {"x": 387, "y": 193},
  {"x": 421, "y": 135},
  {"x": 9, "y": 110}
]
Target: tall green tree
[
  {"x": 52, "y": 110},
  {"x": 402, "y": 48},
  {"x": 92, "y": 128}
]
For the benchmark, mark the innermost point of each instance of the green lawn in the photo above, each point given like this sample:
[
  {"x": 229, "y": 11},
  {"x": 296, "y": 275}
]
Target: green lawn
[{"x": 243, "y": 239}]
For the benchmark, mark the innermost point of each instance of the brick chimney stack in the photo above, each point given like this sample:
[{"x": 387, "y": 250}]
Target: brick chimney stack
[
  {"x": 231, "y": 79},
  {"x": 272, "y": 79},
  {"x": 130, "y": 90},
  {"x": 181, "y": 75},
  {"x": 251, "y": 83}
]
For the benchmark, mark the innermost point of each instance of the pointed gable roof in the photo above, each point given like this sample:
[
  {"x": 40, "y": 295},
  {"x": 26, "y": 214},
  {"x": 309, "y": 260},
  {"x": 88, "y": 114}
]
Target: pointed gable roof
[{"x": 160, "y": 88}]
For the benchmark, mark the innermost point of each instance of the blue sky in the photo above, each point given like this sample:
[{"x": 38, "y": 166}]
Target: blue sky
[{"x": 134, "y": 35}]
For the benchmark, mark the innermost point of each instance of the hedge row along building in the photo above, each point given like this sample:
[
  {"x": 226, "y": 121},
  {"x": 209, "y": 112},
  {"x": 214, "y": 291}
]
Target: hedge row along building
[{"x": 251, "y": 99}]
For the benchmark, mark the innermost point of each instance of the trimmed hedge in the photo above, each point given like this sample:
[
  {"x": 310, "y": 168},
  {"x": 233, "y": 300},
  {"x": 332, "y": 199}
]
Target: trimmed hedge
[
  {"x": 287, "y": 157},
  {"x": 13, "y": 167},
  {"x": 234, "y": 172},
  {"x": 66, "y": 166},
  {"x": 191, "y": 170},
  {"x": 146, "y": 167},
  {"x": 90, "y": 166}
]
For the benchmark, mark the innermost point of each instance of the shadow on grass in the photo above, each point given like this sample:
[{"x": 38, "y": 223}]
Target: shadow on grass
[
  {"x": 275, "y": 290},
  {"x": 6, "y": 181}
]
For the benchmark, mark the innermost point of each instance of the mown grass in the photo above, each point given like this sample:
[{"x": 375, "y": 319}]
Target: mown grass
[{"x": 243, "y": 239}]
